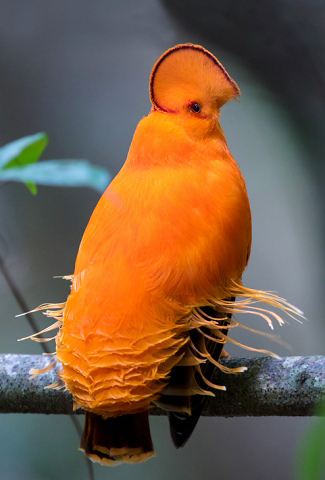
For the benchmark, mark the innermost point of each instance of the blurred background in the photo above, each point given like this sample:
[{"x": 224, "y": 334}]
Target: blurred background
[{"x": 78, "y": 70}]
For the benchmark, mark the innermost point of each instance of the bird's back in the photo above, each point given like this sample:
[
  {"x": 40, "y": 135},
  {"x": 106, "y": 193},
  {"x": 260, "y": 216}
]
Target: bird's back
[
  {"x": 161, "y": 240},
  {"x": 158, "y": 268}
]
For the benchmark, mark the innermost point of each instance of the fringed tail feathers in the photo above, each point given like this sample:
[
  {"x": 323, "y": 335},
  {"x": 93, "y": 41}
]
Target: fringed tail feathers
[{"x": 207, "y": 326}]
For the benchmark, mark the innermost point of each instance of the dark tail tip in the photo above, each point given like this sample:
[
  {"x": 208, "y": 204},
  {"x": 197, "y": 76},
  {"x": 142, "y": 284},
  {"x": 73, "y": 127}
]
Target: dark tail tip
[
  {"x": 114, "y": 440},
  {"x": 182, "y": 426}
]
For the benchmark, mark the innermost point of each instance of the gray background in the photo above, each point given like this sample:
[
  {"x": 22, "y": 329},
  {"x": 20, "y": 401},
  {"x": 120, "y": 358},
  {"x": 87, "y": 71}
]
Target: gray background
[{"x": 79, "y": 71}]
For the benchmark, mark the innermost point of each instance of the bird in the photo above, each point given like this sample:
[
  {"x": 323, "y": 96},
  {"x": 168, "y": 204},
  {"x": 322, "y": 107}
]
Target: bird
[{"x": 158, "y": 274}]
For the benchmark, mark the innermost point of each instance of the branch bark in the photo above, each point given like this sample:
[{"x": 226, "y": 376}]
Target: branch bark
[{"x": 291, "y": 386}]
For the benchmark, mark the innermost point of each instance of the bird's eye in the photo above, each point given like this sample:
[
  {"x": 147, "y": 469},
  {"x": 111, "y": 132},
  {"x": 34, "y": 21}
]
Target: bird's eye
[{"x": 195, "y": 107}]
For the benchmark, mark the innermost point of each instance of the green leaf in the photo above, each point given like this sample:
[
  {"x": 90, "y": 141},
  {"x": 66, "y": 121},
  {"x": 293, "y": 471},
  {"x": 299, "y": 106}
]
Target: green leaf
[
  {"x": 63, "y": 173},
  {"x": 310, "y": 465},
  {"x": 31, "y": 187},
  {"x": 24, "y": 151}
]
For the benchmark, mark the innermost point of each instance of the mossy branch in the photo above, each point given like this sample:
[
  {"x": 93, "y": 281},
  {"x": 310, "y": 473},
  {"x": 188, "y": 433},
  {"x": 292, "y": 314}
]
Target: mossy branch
[{"x": 291, "y": 386}]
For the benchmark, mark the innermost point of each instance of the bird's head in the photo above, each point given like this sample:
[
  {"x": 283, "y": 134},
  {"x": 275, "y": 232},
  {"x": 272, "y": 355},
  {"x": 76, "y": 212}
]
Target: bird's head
[{"x": 189, "y": 82}]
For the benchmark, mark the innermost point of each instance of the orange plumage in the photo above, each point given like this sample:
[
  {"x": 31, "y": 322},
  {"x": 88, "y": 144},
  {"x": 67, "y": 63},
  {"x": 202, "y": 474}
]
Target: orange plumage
[{"x": 164, "y": 250}]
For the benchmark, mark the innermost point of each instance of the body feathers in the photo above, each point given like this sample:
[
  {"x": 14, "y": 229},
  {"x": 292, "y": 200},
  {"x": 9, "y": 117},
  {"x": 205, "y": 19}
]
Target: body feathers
[{"x": 158, "y": 267}]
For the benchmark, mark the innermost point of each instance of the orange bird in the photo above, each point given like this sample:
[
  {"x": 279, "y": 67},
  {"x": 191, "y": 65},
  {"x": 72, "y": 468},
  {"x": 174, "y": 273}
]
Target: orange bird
[{"x": 158, "y": 269}]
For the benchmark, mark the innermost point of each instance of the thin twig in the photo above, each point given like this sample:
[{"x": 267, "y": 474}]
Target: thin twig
[
  {"x": 79, "y": 431},
  {"x": 21, "y": 301},
  {"x": 24, "y": 308}
]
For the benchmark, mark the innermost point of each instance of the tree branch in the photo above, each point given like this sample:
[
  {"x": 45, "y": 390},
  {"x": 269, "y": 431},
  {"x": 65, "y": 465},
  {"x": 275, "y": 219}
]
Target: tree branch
[{"x": 291, "y": 386}]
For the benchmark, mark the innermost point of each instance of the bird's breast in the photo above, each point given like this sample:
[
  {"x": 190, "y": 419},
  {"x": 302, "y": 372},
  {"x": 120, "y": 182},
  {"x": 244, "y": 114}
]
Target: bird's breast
[{"x": 186, "y": 230}]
